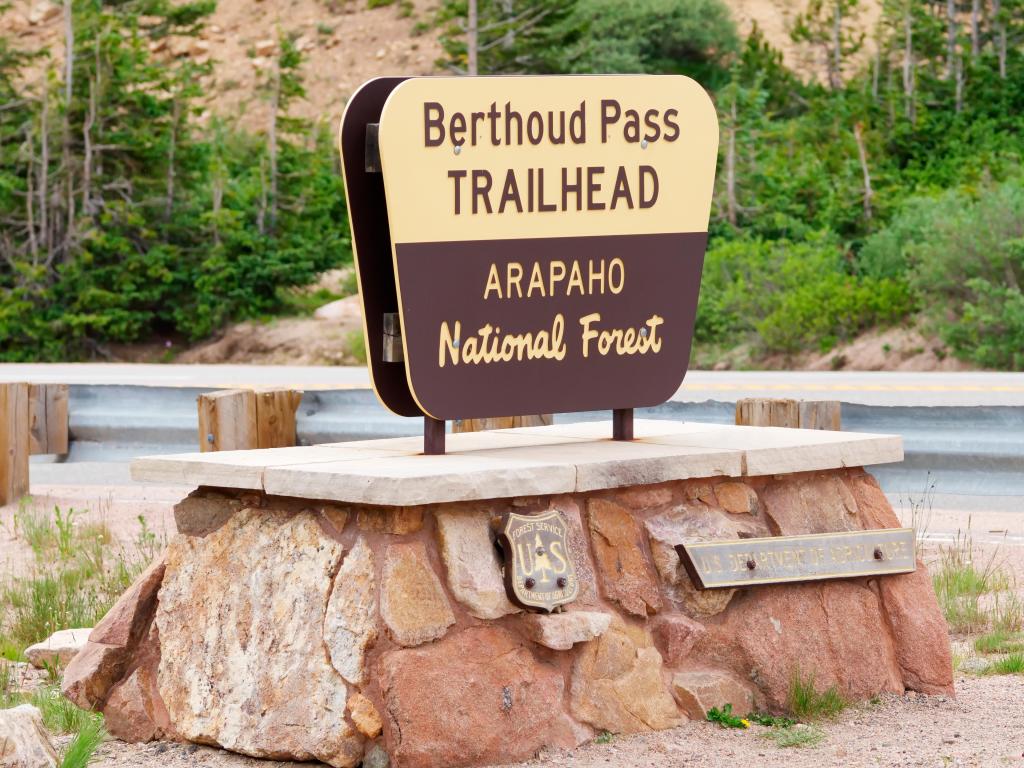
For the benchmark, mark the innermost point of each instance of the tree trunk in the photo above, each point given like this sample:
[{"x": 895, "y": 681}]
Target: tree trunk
[
  {"x": 862, "y": 153},
  {"x": 908, "y": 62},
  {"x": 69, "y": 51},
  {"x": 950, "y": 38},
  {"x": 90, "y": 120},
  {"x": 44, "y": 171},
  {"x": 69, "y": 175},
  {"x": 875, "y": 69},
  {"x": 975, "y": 27},
  {"x": 959, "y": 84},
  {"x": 730, "y": 169},
  {"x": 170, "y": 160},
  {"x": 1000, "y": 37},
  {"x": 218, "y": 199},
  {"x": 472, "y": 39},
  {"x": 30, "y": 194},
  {"x": 275, "y": 100},
  {"x": 835, "y": 73},
  {"x": 261, "y": 213}
]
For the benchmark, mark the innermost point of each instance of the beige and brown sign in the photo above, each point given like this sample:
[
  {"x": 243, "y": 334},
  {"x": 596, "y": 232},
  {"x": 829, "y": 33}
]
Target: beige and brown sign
[
  {"x": 539, "y": 573},
  {"x": 547, "y": 237},
  {"x": 813, "y": 557}
]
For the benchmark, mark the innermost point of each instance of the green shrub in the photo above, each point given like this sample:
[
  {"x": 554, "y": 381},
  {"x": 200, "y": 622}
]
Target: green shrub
[{"x": 795, "y": 296}]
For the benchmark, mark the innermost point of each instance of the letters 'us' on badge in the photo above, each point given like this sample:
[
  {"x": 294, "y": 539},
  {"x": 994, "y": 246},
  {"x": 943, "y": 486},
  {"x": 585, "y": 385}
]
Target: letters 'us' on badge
[{"x": 539, "y": 573}]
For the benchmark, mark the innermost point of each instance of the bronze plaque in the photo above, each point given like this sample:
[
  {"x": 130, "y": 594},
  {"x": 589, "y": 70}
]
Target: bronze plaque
[
  {"x": 539, "y": 574},
  {"x": 546, "y": 238},
  {"x": 813, "y": 557}
]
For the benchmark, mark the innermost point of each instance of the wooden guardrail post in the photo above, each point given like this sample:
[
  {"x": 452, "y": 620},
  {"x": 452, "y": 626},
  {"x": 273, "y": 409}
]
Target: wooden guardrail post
[
  {"x": 275, "y": 417},
  {"x": 797, "y": 414},
  {"x": 502, "y": 422},
  {"x": 14, "y": 442},
  {"x": 48, "y": 418},
  {"x": 242, "y": 419}
]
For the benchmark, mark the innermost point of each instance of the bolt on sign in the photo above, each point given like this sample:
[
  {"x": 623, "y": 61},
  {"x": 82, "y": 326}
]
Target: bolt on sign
[
  {"x": 538, "y": 570},
  {"x": 541, "y": 239},
  {"x": 811, "y": 557}
]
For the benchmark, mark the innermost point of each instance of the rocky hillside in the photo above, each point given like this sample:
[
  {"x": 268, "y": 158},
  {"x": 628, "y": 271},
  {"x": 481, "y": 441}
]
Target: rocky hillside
[{"x": 344, "y": 42}]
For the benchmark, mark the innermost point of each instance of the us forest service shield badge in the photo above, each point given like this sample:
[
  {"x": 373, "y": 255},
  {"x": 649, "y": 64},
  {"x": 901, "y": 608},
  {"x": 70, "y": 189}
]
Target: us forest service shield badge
[{"x": 539, "y": 574}]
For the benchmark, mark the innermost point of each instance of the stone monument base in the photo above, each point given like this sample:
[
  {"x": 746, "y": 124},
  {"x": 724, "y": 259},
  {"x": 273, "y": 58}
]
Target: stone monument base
[{"x": 345, "y": 603}]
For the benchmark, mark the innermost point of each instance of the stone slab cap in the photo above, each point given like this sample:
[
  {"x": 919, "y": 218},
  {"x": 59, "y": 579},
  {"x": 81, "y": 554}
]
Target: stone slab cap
[{"x": 525, "y": 461}]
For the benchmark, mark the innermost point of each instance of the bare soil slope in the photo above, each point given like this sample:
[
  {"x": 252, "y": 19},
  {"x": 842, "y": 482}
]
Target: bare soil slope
[{"x": 344, "y": 43}]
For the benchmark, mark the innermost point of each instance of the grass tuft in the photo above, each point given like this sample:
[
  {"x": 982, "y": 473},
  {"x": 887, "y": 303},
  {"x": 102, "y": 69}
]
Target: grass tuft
[
  {"x": 800, "y": 735},
  {"x": 75, "y": 579},
  {"x": 961, "y": 583},
  {"x": 807, "y": 703},
  {"x": 1013, "y": 664},
  {"x": 999, "y": 641},
  {"x": 59, "y": 714},
  {"x": 82, "y": 748}
]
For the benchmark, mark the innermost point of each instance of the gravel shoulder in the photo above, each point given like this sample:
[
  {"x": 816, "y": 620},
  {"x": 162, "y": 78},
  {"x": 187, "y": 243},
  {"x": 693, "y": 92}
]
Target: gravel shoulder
[{"x": 983, "y": 726}]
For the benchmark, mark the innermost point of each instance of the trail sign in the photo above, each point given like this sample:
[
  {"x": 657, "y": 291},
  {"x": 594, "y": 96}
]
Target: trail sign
[{"x": 544, "y": 238}]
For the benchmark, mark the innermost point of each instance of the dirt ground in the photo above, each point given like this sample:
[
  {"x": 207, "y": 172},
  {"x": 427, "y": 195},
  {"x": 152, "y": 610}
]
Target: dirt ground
[{"x": 983, "y": 726}]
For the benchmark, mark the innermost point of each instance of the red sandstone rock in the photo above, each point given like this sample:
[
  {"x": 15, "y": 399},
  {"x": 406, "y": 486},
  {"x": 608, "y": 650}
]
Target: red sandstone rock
[
  {"x": 919, "y": 631},
  {"x": 626, "y": 573},
  {"x": 690, "y": 522},
  {"x": 737, "y": 498},
  {"x": 699, "y": 690},
  {"x": 617, "y": 683},
  {"x": 202, "y": 512},
  {"x": 477, "y": 697},
  {"x": 874, "y": 509},
  {"x": 104, "y": 660},
  {"x": 834, "y": 631},
  {"x": 129, "y": 619},
  {"x": 675, "y": 635},
  {"x": 644, "y": 497},
  {"x": 810, "y": 504},
  {"x": 364, "y": 716},
  {"x": 579, "y": 548},
  {"x": 92, "y": 673},
  {"x": 125, "y": 715},
  {"x": 134, "y": 711}
]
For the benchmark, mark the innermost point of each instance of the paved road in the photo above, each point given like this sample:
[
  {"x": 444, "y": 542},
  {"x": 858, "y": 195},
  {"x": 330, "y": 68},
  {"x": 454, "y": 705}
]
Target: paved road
[{"x": 867, "y": 388}]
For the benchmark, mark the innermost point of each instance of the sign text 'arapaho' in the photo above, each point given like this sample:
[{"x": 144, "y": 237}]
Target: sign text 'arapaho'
[
  {"x": 547, "y": 238},
  {"x": 779, "y": 559},
  {"x": 538, "y": 571}
]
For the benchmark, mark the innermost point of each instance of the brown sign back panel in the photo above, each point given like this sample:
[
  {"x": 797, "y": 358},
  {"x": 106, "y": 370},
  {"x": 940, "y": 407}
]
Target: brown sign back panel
[
  {"x": 657, "y": 287},
  {"x": 371, "y": 241}
]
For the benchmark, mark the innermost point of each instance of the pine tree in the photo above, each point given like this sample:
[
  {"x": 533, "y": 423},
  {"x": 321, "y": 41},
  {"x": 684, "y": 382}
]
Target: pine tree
[{"x": 829, "y": 26}]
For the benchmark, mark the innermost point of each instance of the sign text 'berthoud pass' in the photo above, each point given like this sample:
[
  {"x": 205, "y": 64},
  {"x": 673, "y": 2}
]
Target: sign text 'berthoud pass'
[{"x": 548, "y": 238}]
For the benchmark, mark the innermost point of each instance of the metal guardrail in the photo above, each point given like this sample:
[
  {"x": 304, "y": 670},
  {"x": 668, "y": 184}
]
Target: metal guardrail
[{"x": 966, "y": 450}]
